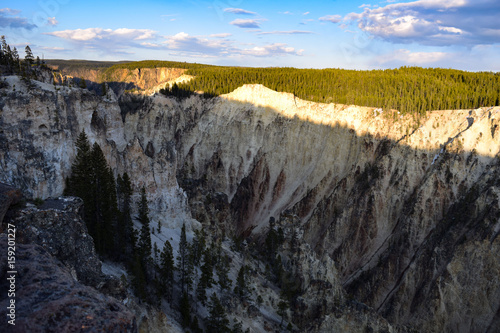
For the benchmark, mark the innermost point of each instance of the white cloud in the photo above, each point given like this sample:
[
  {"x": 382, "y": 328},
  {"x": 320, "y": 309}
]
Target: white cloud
[
  {"x": 195, "y": 46},
  {"x": 239, "y": 11},
  {"x": 222, "y": 35},
  {"x": 89, "y": 34},
  {"x": 246, "y": 23},
  {"x": 123, "y": 41},
  {"x": 106, "y": 40},
  {"x": 306, "y": 13},
  {"x": 304, "y": 22},
  {"x": 413, "y": 58},
  {"x": 331, "y": 18},
  {"x": 52, "y": 21},
  {"x": 9, "y": 19},
  {"x": 290, "y": 32},
  {"x": 55, "y": 48},
  {"x": 272, "y": 50},
  {"x": 10, "y": 11},
  {"x": 433, "y": 22}
]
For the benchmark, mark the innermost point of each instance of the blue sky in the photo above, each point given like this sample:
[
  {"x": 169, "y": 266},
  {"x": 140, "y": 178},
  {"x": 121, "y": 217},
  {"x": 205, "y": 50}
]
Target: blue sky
[{"x": 462, "y": 34}]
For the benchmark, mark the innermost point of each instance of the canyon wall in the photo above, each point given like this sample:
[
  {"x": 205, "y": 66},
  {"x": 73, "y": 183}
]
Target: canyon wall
[
  {"x": 407, "y": 209},
  {"x": 122, "y": 79}
]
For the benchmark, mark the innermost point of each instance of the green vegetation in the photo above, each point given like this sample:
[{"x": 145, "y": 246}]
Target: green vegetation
[
  {"x": 217, "y": 320},
  {"x": 10, "y": 63},
  {"x": 241, "y": 288},
  {"x": 93, "y": 181},
  {"x": 167, "y": 269},
  {"x": 107, "y": 213},
  {"x": 407, "y": 89},
  {"x": 184, "y": 265},
  {"x": 156, "y": 64},
  {"x": 145, "y": 235}
]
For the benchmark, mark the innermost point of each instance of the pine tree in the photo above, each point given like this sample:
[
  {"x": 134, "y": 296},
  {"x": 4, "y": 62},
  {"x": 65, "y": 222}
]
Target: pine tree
[
  {"x": 183, "y": 262},
  {"x": 125, "y": 233},
  {"x": 15, "y": 60},
  {"x": 185, "y": 309},
  {"x": 206, "y": 279},
  {"x": 156, "y": 254},
  {"x": 222, "y": 269},
  {"x": 198, "y": 246},
  {"x": 82, "y": 84},
  {"x": 271, "y": 241},
  {"x": 4, "y": 56},
  {"x": 138, "y": 278},
  {"x": 241, "y": 287},
  {"x": 282, "y": 307},
  {"x": 10, "y": 58},
  {"x": 104, "y": 90},
  {"x": 237, "y": 327},
  {"x": 102, "y": 208},
  {"x": 110, "y": 211},
  {"x": 217, "y": 320},
  {"x": 145, "y": 236},
  {"x": 92, "y": 180},
  {"x": 28, "y": 58},
  {"x": 167, "y": 268},
  {"x": 81, "y": 169},
  {"x": 195, "y": 326}
]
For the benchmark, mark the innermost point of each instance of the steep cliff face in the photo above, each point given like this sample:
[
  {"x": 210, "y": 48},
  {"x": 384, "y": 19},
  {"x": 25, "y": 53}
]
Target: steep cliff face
[
  {"x": 39, "y": 129},
  {"x": 124, "y": 79},
  {"x": 406, "y": 209},
  {"x": 58, "y": 284},
  {"x": 393, "y": 203},
  {"x": 146, "y": 78}
]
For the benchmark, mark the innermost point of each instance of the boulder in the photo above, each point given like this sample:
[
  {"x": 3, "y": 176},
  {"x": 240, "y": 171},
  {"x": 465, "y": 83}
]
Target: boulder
[
  {"x": 58, "y": 227},
  {"x": 48, "y": 298}
]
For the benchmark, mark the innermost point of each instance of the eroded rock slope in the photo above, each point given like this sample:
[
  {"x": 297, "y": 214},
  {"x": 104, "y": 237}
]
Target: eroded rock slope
[{"x": 406, "y": 209}]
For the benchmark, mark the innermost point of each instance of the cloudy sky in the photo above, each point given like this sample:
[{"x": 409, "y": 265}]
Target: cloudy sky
[{"x": 462, "y": 34}]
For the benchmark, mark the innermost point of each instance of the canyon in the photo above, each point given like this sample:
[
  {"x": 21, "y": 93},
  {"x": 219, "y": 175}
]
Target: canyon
[{"x": 398, "y": 215}]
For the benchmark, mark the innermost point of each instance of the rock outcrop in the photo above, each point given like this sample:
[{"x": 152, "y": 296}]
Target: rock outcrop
[
  {"x": 58, "y": 227},
  {"x": 55, "y": 277},
  {"x": 48, "y": 299}
]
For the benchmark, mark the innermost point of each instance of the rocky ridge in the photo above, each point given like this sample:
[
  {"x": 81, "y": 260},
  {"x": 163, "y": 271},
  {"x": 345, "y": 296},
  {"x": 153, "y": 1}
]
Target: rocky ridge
[{"x": 58, "y": 284}]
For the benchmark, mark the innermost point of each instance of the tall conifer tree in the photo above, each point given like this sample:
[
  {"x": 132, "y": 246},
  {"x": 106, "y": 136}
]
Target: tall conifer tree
[
  {"x": 184, "y": 265},
  {"x": 145, "y": 236},
  {"x": 127, "y": 238},
  {"x": 217, "y": 320},
  {"x": 167, "y": 268}
]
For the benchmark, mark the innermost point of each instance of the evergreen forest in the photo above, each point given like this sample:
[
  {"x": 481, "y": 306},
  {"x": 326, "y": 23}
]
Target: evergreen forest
[
  {"x": 412, "y": 90},
  {"x": 407, "y": 89}
]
